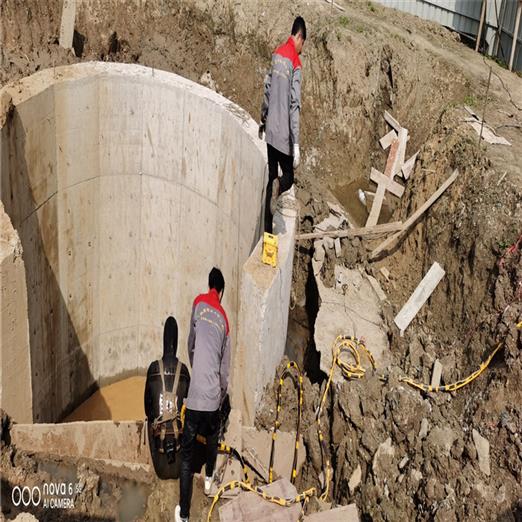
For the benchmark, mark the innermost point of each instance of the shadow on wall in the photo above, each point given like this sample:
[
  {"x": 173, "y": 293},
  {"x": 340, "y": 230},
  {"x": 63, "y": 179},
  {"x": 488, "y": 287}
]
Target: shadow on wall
[{"x": 61, "y": 376}]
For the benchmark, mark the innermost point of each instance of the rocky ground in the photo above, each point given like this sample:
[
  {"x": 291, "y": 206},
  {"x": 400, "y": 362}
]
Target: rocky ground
[{"x": 396, "y": 452}]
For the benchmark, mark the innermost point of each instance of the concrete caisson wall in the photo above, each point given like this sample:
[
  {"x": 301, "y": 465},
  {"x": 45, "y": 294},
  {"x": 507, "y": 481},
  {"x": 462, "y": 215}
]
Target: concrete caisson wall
[{"x": 125, "y": 186}]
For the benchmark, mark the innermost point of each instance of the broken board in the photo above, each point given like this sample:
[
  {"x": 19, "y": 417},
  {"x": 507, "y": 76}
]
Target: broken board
[
  {"x": 388, "y": 139},
  {"x": 419, "y": 297}
]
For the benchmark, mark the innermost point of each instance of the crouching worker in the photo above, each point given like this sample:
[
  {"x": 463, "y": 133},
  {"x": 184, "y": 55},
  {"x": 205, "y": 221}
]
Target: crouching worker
[
  {"x": 209, "y": 354},
  {"x": 165, "y": 388}
]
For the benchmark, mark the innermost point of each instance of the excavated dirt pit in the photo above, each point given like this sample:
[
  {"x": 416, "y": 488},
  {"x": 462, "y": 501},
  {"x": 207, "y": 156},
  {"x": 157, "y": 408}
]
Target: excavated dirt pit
[{"x": 396, "y": 452}]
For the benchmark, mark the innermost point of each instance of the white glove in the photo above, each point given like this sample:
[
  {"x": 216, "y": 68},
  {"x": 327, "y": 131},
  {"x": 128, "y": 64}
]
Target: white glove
[
  {"x": 297, "y": 156},
  {"x": 261, "y": 131}
]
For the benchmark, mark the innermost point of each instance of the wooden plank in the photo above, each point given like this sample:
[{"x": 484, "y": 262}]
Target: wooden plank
[
  {"x": 408, "y": 167},
  {"x": 365, "y": 232},
  {"x": 392, "y": 159},
  {"x": 67, "y": 23},
  {"x": 395, "y": 188},
  {"x": 390, "y": 243},
  {"x": 401, "y": 151},
  {"x": 481, "y": 24},
  {"x": 394, "y": 124},
  {"x": 388, "y": 139},
  {"x": 420, "y": 295},
  {"x": 515, "y": 35},
  {"x": 373, "y": 218}
]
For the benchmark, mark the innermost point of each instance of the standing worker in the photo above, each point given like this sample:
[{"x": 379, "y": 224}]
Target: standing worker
[
  {"x": 209, "y": 354},
  {"x": 280, "y": 116}
]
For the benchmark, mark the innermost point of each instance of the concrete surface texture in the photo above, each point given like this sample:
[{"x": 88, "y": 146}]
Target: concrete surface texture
[
  {"x": 15, "y": 391},
  {"x": 126, "y": 185}
]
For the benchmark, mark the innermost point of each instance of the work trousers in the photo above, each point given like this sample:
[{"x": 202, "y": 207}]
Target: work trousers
[
  {"x": 204, "y": 423},
  {"x": 275, "y": 159}
]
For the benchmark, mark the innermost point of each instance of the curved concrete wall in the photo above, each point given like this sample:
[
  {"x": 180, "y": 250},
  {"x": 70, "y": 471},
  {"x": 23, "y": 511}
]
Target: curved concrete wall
[{"x": 125, "y": 185}]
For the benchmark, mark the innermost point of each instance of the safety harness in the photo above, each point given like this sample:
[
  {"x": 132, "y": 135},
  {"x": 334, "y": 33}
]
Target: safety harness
[{"x": 169, "y": 409}]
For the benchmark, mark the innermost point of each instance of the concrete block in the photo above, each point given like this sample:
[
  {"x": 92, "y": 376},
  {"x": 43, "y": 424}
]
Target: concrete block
[
  {"x": 263, "y": 319},
  {"x": 351, "y": 308},
  {"x": 121, "y": 441}
]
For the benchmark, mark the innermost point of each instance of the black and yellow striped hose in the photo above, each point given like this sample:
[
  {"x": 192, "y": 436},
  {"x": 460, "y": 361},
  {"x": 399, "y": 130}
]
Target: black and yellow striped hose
[{"x": 455, "y": 385}]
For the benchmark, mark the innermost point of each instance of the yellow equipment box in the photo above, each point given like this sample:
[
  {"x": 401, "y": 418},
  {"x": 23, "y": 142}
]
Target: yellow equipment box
[{"x": 270, "y": 244}]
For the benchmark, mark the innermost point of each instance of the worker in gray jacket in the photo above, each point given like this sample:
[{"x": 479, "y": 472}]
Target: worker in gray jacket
[
  {"x": 280, "y": 116},
  {"x": 209, "y": 354}
]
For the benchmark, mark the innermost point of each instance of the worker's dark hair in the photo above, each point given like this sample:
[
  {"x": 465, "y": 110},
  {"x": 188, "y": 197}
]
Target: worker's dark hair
[
  {"x": 216, "y": 280},
  {"x": 299, "y": 26},
  {"x": 170, "y": 337}
]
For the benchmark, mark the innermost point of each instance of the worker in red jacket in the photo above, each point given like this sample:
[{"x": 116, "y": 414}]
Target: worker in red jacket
[
  {"x": 209, "y": 354},
  {"x": 280, "y": 116}
]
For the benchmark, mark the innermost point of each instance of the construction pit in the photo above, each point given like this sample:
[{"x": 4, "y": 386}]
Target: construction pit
[{"x": 132, "y": 165}]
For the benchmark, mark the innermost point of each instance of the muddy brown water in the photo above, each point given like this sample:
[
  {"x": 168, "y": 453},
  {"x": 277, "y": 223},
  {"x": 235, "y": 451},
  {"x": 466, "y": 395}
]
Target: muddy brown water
[
  {"x": 349, "y": 199},
  {"x": 122, "y": 400}
]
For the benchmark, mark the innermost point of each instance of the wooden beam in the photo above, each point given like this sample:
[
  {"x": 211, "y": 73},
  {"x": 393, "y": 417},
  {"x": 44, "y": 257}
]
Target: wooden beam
[
  {"x": 481, "y": 24},
  {"x": 420, "y": 295},
  {"x": 365, "y": 232},
  {"x": 392, "y": 121},
  {"x": 515, "y": 36},
  {"x": 395, "y": 188},
  {"x": 373, "y": 218},
  {"x": 401, "y": 151},
  {"x": 390, "y": 243}
]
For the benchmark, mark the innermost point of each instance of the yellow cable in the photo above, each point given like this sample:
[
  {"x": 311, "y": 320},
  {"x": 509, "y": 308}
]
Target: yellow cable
[{"x": 456, "y": 385}]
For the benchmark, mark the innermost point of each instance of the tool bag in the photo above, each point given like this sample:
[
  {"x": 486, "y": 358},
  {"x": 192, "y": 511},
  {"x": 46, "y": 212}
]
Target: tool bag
[{"x": 169, "y": 421}]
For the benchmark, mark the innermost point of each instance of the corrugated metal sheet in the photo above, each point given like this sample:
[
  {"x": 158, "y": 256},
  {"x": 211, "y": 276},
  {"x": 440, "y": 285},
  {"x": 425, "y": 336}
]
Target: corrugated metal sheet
[{"x": 463, "y": 16}]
